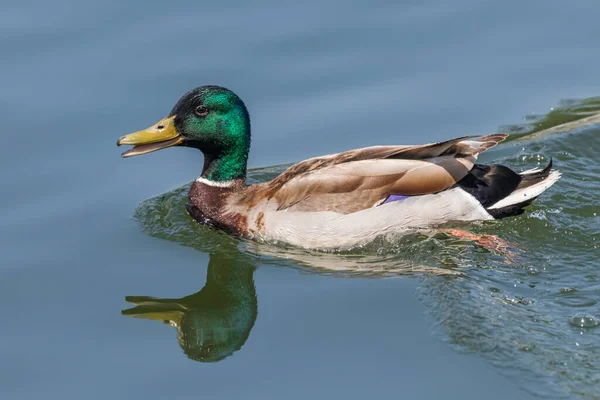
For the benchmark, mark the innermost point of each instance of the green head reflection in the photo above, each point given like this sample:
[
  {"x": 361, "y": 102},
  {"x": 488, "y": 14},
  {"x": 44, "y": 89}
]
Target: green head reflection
[{"x": 216, "y": 321}]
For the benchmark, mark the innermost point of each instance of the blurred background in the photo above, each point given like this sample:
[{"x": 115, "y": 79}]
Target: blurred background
[{"x": 82, "y": 229}]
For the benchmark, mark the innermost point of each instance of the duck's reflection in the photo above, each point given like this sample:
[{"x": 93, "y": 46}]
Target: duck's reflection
[{"x": 214, "y": 322}]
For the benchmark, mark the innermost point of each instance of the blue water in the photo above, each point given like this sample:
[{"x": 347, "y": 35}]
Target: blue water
[{"x": 422, "y": 318}]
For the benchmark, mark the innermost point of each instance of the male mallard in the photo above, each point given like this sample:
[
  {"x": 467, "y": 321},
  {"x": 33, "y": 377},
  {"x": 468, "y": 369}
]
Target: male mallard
[{"x": 339, "y": 200}]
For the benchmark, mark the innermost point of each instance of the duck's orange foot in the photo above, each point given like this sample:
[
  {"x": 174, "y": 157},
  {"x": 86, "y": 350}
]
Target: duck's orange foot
[{"x": 490, "y": 242}]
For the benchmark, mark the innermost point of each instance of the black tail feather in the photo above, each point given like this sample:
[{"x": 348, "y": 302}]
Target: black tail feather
[
  {"x": 510, "y": 211},
  {"x": 491, "y": 183}
]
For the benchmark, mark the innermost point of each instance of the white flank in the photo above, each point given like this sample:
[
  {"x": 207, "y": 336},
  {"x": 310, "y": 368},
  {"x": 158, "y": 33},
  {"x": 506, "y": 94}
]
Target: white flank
[
  {"x": 521, "y": 195},
  {"x": 330, "y": 230},
  {"x": 214, "y": 183}
]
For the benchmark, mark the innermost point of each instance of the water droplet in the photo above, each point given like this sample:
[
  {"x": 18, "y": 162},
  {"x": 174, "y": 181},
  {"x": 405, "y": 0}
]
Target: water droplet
[{"x": 584, "y": 321}]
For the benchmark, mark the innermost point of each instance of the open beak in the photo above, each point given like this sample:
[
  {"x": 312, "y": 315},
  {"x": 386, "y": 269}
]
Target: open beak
[{"x": 159, "y": 136}]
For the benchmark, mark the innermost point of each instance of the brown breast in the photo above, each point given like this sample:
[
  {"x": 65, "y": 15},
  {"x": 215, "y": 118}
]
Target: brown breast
[{"x": 209, "y": 205}]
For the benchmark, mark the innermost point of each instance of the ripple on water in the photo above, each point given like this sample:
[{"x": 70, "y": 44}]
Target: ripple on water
[{"x": 571, "y": 297}]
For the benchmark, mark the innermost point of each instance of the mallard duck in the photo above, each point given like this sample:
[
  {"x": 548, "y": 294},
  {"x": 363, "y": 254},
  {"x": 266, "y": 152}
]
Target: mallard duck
[{"x": 339, "y": 200}]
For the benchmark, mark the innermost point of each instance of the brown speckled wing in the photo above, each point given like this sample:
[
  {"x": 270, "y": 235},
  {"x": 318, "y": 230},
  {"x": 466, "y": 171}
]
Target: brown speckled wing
[{"x": 358, "y": 179}]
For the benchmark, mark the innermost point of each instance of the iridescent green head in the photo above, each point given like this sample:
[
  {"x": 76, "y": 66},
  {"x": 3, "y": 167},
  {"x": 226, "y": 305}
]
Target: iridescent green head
[{"x": 210, "y": 118}]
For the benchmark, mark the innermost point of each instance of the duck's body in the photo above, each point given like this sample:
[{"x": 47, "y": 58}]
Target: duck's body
[
  {"x": 347, "y": 199},
  {"x": 340, "y": 200}
]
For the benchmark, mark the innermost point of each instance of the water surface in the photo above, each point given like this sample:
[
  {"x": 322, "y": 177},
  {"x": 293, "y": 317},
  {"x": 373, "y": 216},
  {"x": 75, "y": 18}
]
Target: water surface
[{"x": 109, "y": 290}]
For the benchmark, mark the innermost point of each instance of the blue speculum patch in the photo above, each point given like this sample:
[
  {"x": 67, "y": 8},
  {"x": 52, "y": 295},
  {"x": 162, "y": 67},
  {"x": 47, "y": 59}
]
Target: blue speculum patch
[{"x": 394, "y": 197}]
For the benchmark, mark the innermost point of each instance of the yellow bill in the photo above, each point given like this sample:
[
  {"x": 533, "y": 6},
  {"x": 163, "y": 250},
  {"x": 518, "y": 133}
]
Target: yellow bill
[{"x": 159, "y": 136}]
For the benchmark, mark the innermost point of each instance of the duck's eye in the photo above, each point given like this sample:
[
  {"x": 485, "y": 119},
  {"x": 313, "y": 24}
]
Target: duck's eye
[{"x": 201, "y": 111}]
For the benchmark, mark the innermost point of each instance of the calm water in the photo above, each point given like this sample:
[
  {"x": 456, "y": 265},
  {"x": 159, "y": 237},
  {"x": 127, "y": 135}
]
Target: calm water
[{"x": 108, "y": 290}]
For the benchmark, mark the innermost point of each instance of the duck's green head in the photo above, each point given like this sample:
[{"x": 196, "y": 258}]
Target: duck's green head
[{"x": 210, "y": 118}]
